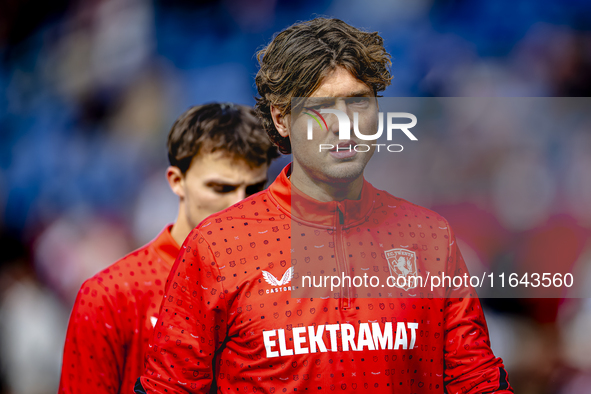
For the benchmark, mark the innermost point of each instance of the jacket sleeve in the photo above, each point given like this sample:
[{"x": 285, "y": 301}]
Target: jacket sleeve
[
  {"x": 94, "y": 350},
  {"x": 191, "y": 326},
  {"x": 470, "y": 365}
]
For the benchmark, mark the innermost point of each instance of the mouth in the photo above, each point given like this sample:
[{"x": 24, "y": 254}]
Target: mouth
[
  {"x": 345, "y": 150},
  {"x": 344, "y": 146}
]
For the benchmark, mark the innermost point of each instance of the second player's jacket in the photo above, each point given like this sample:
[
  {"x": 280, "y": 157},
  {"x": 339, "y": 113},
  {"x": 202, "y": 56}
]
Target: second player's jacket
[
  {"x": 229, "y": 318},
  {"x": 113, "y": 319}
]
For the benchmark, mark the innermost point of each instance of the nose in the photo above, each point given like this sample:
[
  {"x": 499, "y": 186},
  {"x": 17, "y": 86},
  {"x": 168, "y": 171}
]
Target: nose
[{"x": 334, "y": 125}]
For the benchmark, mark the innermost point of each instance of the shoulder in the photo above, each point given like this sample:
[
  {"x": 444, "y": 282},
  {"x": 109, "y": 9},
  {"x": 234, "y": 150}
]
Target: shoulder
[
  {"x": 403, "y": 209},
  {"x": 257, "y": 208},
  {"x": 237, "y": 227},
  {"x": 124, "y": 276}
]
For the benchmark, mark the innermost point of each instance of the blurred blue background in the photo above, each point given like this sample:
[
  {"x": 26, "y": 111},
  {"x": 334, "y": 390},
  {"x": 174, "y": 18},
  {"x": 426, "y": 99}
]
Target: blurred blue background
[{"x": 90, "y": 90}]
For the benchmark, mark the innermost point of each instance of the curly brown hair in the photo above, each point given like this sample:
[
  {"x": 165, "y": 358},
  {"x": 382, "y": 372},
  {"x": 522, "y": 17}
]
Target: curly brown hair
[
  {"x": 231, "y": 128},
  {"x": 298, "y": 58}
]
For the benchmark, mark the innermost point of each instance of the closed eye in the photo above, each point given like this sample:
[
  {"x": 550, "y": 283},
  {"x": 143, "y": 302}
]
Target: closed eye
[
  {"x": 222, "y": 188},
  {"x": 318, "y": 104},
  {"x": 318, "y": 107},
  {"x": 359, "y": 101},
  {"x": 257, "y": 187}
]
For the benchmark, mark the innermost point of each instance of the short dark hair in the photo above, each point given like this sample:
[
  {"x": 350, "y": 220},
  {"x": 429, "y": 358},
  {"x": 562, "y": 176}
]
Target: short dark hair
[
  {"x": 297, "y": 59},
  {"x": 226, "y": 127}
]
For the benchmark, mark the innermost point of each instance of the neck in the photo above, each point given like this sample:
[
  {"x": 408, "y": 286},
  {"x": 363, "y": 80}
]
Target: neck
[
  {"x": 326, "y": 191},
  {"x": 181, "y": 228}
]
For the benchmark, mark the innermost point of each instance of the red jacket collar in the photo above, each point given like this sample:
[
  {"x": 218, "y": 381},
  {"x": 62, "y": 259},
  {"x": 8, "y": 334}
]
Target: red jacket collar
[
  {"x": 165, "y": 246},
  {"x": 307, "y": 210}
]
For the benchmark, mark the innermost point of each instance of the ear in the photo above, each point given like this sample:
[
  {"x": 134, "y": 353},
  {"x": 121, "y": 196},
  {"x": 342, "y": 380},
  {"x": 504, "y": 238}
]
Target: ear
[
  {"x": 281, "y": 122},
  {"x": 176, "y": 181}
]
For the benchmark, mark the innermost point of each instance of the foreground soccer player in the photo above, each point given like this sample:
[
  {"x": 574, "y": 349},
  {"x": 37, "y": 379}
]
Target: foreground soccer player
[
  {"x": 228, "y": 319},
  {"x": 218, "y": 155}
]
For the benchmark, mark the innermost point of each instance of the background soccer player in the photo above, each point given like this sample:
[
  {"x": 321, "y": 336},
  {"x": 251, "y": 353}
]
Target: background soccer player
[
  {"x": 219, "y": 154},
  {"x": 228, "y": 317}
]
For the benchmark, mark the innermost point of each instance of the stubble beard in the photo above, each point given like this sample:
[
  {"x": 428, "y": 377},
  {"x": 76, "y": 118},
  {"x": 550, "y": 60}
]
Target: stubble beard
[{"x": 334, "y": 173}]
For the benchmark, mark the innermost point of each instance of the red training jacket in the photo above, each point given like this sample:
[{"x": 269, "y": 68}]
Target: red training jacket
[
  {"x": 229, "y": 319},
  {"x": 113, "y": 319}
]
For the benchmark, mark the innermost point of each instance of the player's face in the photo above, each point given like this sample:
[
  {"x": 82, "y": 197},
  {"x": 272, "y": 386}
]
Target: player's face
[
  {"x": 215, "y": 181},
  {"x": 342, "y": 91}
]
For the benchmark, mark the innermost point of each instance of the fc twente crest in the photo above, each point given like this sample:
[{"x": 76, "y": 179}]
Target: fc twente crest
[{"x": 403, "y": 263}]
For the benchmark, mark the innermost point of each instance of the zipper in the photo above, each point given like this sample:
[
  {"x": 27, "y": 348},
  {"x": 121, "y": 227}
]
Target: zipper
[{"x": 342, "y": 263}]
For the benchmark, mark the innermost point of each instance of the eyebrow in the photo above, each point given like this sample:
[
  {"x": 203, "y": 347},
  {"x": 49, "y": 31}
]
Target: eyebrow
[
  {"x": 312, "y": 101},
  {"x": 361, "y": 93},
  {"x": 218, "y": 181}
]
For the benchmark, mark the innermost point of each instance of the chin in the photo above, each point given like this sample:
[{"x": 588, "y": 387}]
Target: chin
[{"x": 343, "y": 172}]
